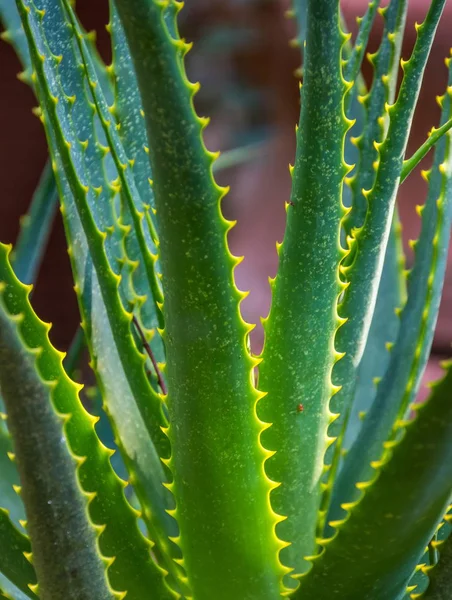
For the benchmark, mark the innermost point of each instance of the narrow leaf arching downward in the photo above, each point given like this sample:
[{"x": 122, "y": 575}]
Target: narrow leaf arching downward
[
  {"x": 217, "y": 460},
  {"x": 299, "y": 349}
]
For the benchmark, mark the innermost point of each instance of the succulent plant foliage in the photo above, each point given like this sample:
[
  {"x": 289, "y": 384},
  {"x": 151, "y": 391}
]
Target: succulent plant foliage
[{"x": 252, "y": 476}]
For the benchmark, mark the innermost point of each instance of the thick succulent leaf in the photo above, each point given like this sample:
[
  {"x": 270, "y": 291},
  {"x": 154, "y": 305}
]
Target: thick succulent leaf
[
  {"x": 110, "y": 517},
  {"x": 129, "y": 109},
  {"x": 64, "y": 542},
  {"x": 355, "y": 373},
  {"x": 13, "y": 565},
  {"x": 383, "y": 332},
  {"x": 217, "y": 460},
  {"x": 351, "y": 339},
  {"x": 376, "y": 548},
  {"x": 35, "y": 228},
  {"x": 9, "y": 479},
  {"x": 353, "y": 66},
  {"x": 297, "y": 365},
  {"x": 132, "y": 403},
  {"x": 385, "y": 63},
  {"x": 14, "y": 34},
  {"x": 134, "y": 209},
  {"x": 370, "y": 241},
  {"x": 399, "y": 386}
]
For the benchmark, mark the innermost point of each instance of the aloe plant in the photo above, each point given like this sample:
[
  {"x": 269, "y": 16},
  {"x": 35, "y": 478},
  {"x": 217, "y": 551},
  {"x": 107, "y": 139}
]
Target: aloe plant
[{"x": 251, "y": 476}]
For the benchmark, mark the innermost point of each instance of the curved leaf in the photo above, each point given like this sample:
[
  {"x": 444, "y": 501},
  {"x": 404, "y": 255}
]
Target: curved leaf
[
  {"x": 217, "y": 460},
  {"x": 101, "y": 268},
  {"x": 110, "y": 517},
  {"x": 399, "y": 386},
  {"x": 13, "y": 564},
  {"x": 299, "y": 350}
]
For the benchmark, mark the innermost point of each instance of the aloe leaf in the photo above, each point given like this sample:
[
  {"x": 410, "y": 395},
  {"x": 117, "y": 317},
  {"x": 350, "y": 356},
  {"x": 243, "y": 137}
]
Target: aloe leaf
[
  {"x": 10, "y": 591},
  {"x": 399, "y": 386},
  {"x": 131, "y": 402},
  {"x": 362, "y": 269},
  {"x": 13, "y": 564},
  {"x": 14, "y": 34},
  {"x": 134, "y": 206},
  {"x": 440, "y": 575},
  {"x": 383, "y": 332},
  {"x": 37, "y": 223},
  {"x": 385, "y": 62},
  {"x": 35, "y": 228},
  {"x": 399, "y": 510},
  {"x": 47, "y": 470},
  {"x": 434, "y": 135},
  {"x": 129, "y": 108},
  {"x": 304, "y": 304},
  {"x": 351, "y": 339},
  {"x": 353, "y": 66},
  {"x": 371, "y": 239},
  {"x": 217, "y": 459},
  {"x": 348, "y": 372},
  {"x": 9, "y": 479},
  {"x": 391, "y": 293},
  {"x": 112, "y": 520}
]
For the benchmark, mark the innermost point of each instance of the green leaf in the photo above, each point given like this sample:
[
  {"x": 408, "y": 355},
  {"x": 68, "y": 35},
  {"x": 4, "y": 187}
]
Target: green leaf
[
  {"x": 135, "y": 213},
  {"x": 399, "y": 386},
  {"x": 385, "y": 63},
  {"x": 35, "y": 228},
  {"x": 10, "y": 591},
  {"x": 365, "y": 353},
  {"x": 352, "y": 337},
  {"x": 440, "y": 575},
  {"x": 375, "y": 550},
  {"x": 14, "y": 34},
  {"x": 371, "y": 240},
  {"x": 64, "y": 547},
  {"x": 129, "y": 108},
  {"x": 88, "y": 212},
  {"x": 383, "y": 331},
  {"x": 13, "y": 564},
  {"x": 434, "y": 135},
  {"x": 353, "y": 67},
  {"x": 96, "y": 487},
  {"x": 9, "y": 479},
  {"x": 299, "y": 352},
  {"x": 217, "y": 460}
]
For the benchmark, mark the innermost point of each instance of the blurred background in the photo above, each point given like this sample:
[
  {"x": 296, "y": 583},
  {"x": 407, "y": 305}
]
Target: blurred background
[{"x": 246, "y": 64}]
